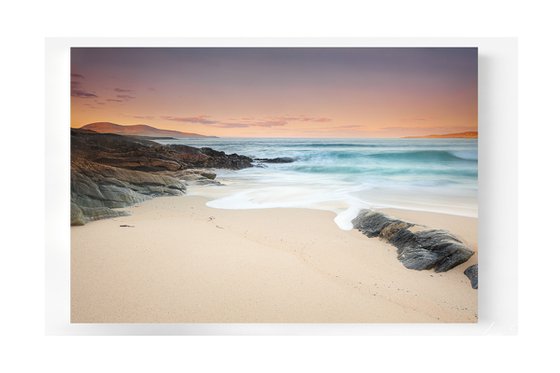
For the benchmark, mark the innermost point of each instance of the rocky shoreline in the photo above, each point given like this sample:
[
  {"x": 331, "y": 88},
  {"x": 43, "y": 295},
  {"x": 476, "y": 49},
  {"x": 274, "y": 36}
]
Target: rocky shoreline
[{"x": 110, "y": 171}]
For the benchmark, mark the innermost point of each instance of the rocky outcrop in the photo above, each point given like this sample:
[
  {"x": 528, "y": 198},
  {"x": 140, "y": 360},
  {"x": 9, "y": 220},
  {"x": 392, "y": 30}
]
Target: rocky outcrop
[
  {"x": 472, "y": 273},
  {"x": 218, "y": 159},
  {"x": 418, "y": 247},
  {"x": 112, "y": 171},
  {"x": 138, "y": 154},
  {"x": 96, "y": 189},
  {"x": 276, "y": 160},
  {"x": 196, "y": 176}
]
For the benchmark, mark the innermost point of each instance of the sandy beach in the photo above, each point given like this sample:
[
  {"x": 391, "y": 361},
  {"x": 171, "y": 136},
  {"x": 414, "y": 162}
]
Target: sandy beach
[{"x": 175, "y": 260}]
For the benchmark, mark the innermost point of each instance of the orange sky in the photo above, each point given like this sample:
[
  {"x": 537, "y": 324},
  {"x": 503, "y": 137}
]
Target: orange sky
[{"x": 279, "y": 92}]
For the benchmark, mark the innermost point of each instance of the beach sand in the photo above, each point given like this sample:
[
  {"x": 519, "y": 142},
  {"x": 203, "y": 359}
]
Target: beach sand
[{"x": 179, "y": 261}]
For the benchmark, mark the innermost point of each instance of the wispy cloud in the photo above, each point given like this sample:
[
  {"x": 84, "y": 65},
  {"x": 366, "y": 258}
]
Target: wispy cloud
[
  {"x": 204, "y": 119},
  {"x": 269, "y": 123},
  {"x": 76, "y": 89},
  {"x": 413, "y": 131},
  {"x": 304, "y": 118},
  {"x": 415, "y": 119},
  {"x": 200, "y": 119},
  {"x": 126, "y": 97},
  {"x": 341, "y": 128},
  {"x": 123, "y": 90},
  {"x": 245, "y": 121},
  {"x": 349, "y": 126},
  {"x": 82, "y": 94},
  {"x": 149, "y": 117},
  {"x": 232, "y": 125},
  {"x": 120, "y": 98}
]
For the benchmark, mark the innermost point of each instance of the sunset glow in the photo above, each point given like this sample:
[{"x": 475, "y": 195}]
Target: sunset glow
[{"x": 279, "y": 92}]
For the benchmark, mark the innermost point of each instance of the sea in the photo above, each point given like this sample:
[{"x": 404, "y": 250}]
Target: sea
[{"x": 347, "y": 175}]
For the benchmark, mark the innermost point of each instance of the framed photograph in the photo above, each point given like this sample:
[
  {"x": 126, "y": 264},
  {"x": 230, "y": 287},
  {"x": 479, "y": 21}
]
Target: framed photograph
[
  {"x": 274, "y": 185},
  {"x": 281, "y": 186}
]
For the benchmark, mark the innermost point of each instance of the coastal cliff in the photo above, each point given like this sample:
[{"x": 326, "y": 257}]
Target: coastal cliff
[{"x": 111, "y": 171}]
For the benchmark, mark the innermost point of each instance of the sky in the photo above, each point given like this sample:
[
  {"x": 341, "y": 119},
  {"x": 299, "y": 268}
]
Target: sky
[{"x": 278, "y": 92}]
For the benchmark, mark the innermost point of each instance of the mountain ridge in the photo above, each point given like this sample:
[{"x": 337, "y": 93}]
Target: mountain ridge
[{"x": 138, "y": 130}]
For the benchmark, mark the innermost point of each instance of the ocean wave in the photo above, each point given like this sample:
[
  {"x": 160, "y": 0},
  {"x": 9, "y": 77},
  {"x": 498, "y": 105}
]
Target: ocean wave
[
  {"x": 336, "y": 145},
  {"x": 385, "y": 171},
  {"x": 427, "y": 156},
  {"x": 405, "y": 157},
  {"x": 345, "y": 175}
]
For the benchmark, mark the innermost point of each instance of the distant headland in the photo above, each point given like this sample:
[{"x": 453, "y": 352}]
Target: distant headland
[
  {"x": 460, "y": 135},
  {"x": 137, "y": 130}
]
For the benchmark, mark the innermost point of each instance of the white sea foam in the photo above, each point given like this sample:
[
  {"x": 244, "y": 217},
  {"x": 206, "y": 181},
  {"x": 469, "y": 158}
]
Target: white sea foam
[{"x": 345, "y": 176}]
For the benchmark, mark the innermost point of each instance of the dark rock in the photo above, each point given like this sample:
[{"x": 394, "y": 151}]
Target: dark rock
[
  {"x": 372, "y": 224},
  {"x": 433, "y": 248},
  {"x": 208, "y": 175},
  {"x": 196, "y": 177},
  {"x": 218, "y": 159},
  {"x": 113, "y": 171},
  {"x": 417, "y": 247},
  {"x": 81, "y": 215},
  {"x": 139, "y": 154},
  {"x": 472, "y": 273},
  {"x": 276, "y": 160}
]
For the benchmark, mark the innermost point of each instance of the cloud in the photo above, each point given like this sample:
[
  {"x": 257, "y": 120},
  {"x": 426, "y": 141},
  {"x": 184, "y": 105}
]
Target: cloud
[
  {"x": 269, "y": 123},
  {"x": 81, "y": 93},
  {"x": 232, "y": 125},
  {"x": 200, "y": 119},
  {"x": 346, "y": 126},
  {"x": 204, "y": 119},
  {"x": 123, "y": 90},
  {"x": 126, "y": 97},
  {"x": 409, "y": 128},
  {"x": 413, "y": 131},
  {"x": 76, "y": 90},
  {"x": 335, "y": 128},
  {"x": 149, "y": 117},
  {"x": 304, "y": 118},
  {"x": 243, "y": 123},
  {"x": 120, "y": 98}
]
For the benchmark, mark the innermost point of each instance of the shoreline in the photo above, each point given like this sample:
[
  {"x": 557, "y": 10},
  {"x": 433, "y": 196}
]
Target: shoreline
[
  {"x": 239, "y": 193},
  {"x": 176, "y": 260}
]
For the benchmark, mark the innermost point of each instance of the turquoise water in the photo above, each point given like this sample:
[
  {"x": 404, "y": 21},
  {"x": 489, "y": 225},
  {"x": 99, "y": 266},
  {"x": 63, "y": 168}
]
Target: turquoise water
[{"x": 345, "y": 175}]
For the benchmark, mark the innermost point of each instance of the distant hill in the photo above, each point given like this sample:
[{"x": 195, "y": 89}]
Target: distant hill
[
  {"x": 137, "y": 130},
  {"x": 460, "y": 135}
]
